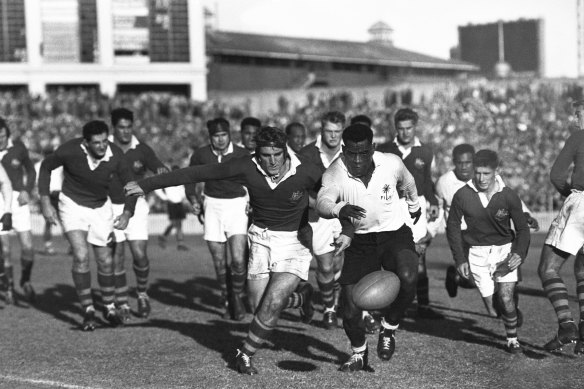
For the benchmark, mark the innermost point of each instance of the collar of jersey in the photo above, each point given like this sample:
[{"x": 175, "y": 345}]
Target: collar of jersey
[
  {"x": 497, "y": 178},
  {"x": 318, "y": 145},
  {"x": 94, "y": 163},
  {"x": 417, "y": 143},
  {"x": 229, "y": 150},
  {"x": 134, "y": 142},
  {"x": 294, "y": 163}
]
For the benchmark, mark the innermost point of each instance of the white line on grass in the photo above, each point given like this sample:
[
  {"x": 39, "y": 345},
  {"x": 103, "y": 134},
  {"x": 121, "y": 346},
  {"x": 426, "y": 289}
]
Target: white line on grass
[{"x": 43, "y": 382}]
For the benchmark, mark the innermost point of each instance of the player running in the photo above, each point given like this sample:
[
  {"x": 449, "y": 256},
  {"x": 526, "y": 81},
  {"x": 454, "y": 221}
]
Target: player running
[
  {"x": 278, "y": 185},
  {"x": 224, "y": 205},
  {"x": 22, "y": 174},
  {"x": 140, "y": 158},
  {"x": 363, "y": 186},
  {"x": 322, "y": 153},
  {"x": 86, "y": 213},
  {"x": 495, "y": 250},
  {"x": 565, "y": 239},
  {"x": 418, "y": 159}
]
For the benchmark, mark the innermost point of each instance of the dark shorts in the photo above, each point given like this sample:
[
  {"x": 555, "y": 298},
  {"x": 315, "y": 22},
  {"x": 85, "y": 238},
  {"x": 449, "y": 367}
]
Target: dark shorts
[
  {"x": 375, "y": 251},
  {"x": 176, "y": 211}
]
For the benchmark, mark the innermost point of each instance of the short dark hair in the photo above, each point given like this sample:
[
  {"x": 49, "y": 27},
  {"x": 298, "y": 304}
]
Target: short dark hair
[
  {"x": 462, "y": 149},
  {"x": 357, "y": 133},
  {"x": 364, "y": 119},
  {"x": 94, "y": 127},
  {"x": 3, "y": 124},
  {"x": 270, "y": 136},
  {"x": 486, "y": 158},
  {"x": 404, "y": 114},
  {"x": 335, "y": 117},
  {"x": 292, "y": 125},
  {"x": 121, "y": 113},
  {"x": 251, "y": 121},
  {"x": 218, "y": 125}
]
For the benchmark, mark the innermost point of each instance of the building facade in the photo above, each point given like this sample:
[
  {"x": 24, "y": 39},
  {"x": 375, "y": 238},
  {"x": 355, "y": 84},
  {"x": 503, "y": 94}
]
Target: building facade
[{"x": 111, "y": 44}]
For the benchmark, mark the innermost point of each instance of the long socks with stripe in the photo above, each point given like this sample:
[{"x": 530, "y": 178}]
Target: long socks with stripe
[
  {"x": 82, "y": 282},
  {"x": 327, "y": 292},
  {"x": 557, "y": 293},
  {"x": 121, "y": 282},
  {"x": 258, "y": 333},
  {"x": 142, "y": 273}
]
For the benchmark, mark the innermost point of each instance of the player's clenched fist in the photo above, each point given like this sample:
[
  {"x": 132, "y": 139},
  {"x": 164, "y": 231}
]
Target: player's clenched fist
[{"x": 133, "y": 189}]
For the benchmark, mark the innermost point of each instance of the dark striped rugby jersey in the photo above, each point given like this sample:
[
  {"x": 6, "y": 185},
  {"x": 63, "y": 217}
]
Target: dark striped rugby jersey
[
  {"x": 89, "y": 188},
  {"x": 486, "y": 226},
  {"x": 283, "y": 208}
]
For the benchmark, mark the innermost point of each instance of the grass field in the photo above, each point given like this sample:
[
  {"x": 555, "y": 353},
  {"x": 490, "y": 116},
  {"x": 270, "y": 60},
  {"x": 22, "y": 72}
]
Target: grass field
[{"x": 186, "y": 344}]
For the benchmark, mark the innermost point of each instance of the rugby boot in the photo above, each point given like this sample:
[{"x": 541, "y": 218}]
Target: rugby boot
[
  {"x": 10, "y": 296},
  {"x": 567, "y": 333},
  {"x": 29, "y": 292},
  {"x": 386, "y": 344},
  {"x": 356, "y": 362},
  {"x": 124, "y": 313},
  {"x": 329, "y": 320},
  {"x": 307, "y": 309},
  {"x": 451, "y": 281},
  {"x": 110, "y": 314},
  {"x": 88, "y": 320},
  {"x": 143, "y": 305},
  {"x": 579, "y": 349},
  {"x": 513, "y": 346},
  {"x": 243, "y": 363},
  {"x": 371, "y": 325}
]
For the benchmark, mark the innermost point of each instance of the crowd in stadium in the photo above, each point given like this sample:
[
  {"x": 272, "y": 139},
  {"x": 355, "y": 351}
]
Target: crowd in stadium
[{"x": 525, "y": 121}]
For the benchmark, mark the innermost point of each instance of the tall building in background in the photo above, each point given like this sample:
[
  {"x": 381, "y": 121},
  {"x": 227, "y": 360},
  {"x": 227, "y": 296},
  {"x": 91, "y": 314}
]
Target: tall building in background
[
  {"x": 115, "y": 45},
  {"x": 523, "y": 46}
]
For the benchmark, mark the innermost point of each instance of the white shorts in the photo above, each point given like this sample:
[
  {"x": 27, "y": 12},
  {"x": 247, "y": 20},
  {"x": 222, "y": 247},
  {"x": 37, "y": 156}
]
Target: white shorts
[
  {"x": 278, "y": 252},
  {"x": 98, "y": 222},
  {"x": 483, "y": 261},
  {"x": 224, "y": 218},
  {"x": 419, "y": 229},
  {"x": 21, "y": 217},
  {"x": 324, "y": 232},
  {"x": 137, "y": 226},
  {"x": 566, "y": 232}
]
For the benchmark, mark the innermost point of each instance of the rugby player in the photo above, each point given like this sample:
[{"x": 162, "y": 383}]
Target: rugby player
[
  {"x": 362, "y": 186},
  {"x": 278, "y": 185},
  {"x": 296, "y": 135},
  {"x": 249, "y": 128},
  {"x": 224, "y": 205},
  {"x": 6, "y": 221},
  {"x": 141, "y": 158},
  {"x": 418, "y": 159},
  {"x": 565, "y": 239},
  {"x": 322, "y": 153},
  {"x": 495, "y": 250},
  {"x": 22, "y": 174},
  {"x": 85, "y": 211}
]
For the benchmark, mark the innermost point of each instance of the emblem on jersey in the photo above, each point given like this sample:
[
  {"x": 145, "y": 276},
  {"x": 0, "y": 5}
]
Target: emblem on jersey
[
  {"x": 15, "y": 163},
  {"x": 138, "y": 165},
  {"x": 501, "y": 214},
  {"x": 386, "y": 192},
  {"x": 419, "y": 163},
  {"x": 296, "y": 195}
]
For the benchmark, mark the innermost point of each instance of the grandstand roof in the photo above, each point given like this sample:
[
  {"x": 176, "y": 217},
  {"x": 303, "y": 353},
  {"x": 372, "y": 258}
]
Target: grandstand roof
[{"x": 309, "y": 49}]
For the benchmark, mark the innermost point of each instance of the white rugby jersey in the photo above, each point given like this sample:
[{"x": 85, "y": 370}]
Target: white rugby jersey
[{"x": 379, "y": 198}]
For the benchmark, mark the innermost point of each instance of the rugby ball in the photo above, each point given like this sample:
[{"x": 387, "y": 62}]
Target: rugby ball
[{"x": 376, "y": 290}]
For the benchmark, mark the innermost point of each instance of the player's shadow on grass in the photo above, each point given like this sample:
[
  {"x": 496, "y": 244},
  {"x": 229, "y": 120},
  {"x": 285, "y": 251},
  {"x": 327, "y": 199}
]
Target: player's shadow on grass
[
  {"x": 225, "y": 337},
  {"x": 200, "y": 293},
  {"x": 60, "y": 301},
  {"x": 467, "y": 330}
]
